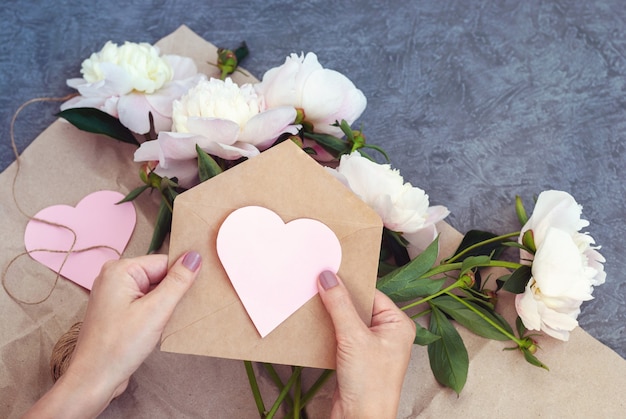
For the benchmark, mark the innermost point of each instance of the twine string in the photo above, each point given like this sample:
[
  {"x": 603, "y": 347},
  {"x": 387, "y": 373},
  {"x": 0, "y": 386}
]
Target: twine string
[
  {"x": 68, "y": 252},
  {"x": 64, "y": 348},
  {"x": 16, "y": 153}
]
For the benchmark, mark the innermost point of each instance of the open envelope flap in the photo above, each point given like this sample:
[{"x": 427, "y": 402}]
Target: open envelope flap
[{"x": 211, "y": 320}]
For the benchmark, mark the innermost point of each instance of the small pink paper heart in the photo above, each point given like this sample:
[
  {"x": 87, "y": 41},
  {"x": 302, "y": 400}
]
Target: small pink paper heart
[
  {"x": 97, "y": 222},
  {"x": 274, "y": 266}
]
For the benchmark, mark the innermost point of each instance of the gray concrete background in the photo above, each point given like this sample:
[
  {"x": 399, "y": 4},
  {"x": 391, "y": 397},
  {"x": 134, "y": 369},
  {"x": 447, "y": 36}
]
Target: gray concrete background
[{"x": 475, "y": 101}]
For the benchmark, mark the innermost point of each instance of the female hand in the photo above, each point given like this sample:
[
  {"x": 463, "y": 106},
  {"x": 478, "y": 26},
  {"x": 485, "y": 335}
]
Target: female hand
[
  {"x": 129, "y": 305},
  {"x": 371, "y": 362}
]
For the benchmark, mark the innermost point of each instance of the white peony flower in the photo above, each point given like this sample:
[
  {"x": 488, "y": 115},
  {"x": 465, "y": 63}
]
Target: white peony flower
[
  {"x": 145, "y": 71},
  {"x": 224, "y": 120},
  {"x": 132, "y": 80},
  {"x": 565, "y": 266},
  {"x": 402, "y": 207},
  {"x": 324, "y": 95}
]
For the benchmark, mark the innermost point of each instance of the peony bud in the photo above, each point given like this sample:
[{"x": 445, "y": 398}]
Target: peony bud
[
  {"x": 520, "y": 210},
  {"x": 358, "y": 140},
  {"x": 468, "y": 279},
  {"x": 226, "y": 62},
  {"x": 146, "y": 170},
  {"x": 528, "y": 240},
  {"x": 530, "y": 345}
]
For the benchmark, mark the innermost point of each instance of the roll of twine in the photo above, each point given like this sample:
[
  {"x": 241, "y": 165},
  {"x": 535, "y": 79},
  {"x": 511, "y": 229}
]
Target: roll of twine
[{"x": 63, "y": 350}]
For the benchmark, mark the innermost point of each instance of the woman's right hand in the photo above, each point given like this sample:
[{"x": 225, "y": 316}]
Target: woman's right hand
[{"x": 371, "y": 362}]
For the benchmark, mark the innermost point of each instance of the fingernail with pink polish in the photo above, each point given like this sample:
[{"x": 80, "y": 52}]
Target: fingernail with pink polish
[
  {"x": 192, "y": 261},
  {"x": 328, "y": 280}
]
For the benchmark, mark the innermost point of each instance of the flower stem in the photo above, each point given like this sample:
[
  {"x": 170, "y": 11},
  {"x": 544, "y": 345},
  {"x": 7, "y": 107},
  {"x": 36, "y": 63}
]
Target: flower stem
[
  {"x": 461, "y": 281},
  {"x": 255, "y": 388},
  {"x": 297, "y": 394},
  {"x": 488, "y": 320},
  {"x": 277, "y": 381},
  {"x": 294, "y": 377},
  {"x": 501, "y": 264},
  {"x": 458, "y": 283},
  {"x": 447, "y": 267},
  {"x": 482, "y": 243},
  {"x": 326, "y": 374}
]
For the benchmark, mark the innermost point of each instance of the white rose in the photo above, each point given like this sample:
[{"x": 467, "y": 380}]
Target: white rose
[
  {"x": 402, "y": 207},
  {"x": 565, "y": 266},
  {"x": 324, "y": 95},
  {"x": 132, "y": 80},
  {"x": 224, "y": 120}
]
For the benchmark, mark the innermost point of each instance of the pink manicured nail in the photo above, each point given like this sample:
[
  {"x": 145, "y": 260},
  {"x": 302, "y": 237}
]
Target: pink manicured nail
[
  {"x": 328, "y": 280},
  {"x": 192, "y": 261}
]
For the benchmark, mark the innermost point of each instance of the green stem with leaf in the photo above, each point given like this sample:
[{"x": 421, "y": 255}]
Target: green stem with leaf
[
  {"x": 496, "y": 326},
  {"x": 448, "y": 267},
  {"x": 462, "y": 281},
  {"x": 482, "y": 243},
  {"x": 458, "y": 283}
]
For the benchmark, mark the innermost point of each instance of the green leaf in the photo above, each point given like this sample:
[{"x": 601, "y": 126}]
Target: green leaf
[
  {"x": 474, "y": 294},
  {"x": 517, "y": 246},
  {"x": 385, "y": 268},
  {"x": 448, "y": 357},
  {"x": 423, "y": 336},
  {"x": 519, "y": 325},
  {"x": 346, "y": 129},
  {"x": 533, "y": 360},
  {"x": 333, "y": 145},
  {"x": 405, "y": 283},
  {"x": 133, "y": 194},
  {"x": 473, "y": 237},
  {"x": 241, "y": 52},
  {"x": 98, "y": 122},
  {"x": 420, "y": 287},
  {"x": 162, "y": 227},
  {"x": 472, "y": 262},
  {"x": 516, "y": 282},
  {"x": 472, "y": 320},
  {"x": 207, "y": 166},
  {"x": 396, "y": 244}
]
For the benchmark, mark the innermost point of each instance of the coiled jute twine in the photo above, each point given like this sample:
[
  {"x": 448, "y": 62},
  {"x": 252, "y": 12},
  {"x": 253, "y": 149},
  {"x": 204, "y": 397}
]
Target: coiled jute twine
[{"x": 63, "y": 350}]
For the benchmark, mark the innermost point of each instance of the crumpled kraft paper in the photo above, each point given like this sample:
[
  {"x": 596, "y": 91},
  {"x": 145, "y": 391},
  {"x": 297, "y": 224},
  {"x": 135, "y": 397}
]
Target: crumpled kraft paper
[{"x": 586, "y": 378}]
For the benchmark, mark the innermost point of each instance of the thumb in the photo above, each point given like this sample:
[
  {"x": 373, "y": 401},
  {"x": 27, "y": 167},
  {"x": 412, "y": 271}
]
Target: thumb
[
  {"x": 177, "y": 281},
  {"x": 336, "y": 299}
]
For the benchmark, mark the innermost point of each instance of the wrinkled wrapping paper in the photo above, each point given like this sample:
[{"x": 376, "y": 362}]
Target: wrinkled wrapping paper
[{"x": 586, "y": 378}]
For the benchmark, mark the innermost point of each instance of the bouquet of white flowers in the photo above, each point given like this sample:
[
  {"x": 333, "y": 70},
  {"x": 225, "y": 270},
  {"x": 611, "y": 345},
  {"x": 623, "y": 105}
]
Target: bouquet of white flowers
[{"x": 190, "y": 128}]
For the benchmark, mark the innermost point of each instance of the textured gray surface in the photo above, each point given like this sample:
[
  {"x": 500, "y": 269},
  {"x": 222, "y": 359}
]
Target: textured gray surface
[{"x": 475, "y": 101}]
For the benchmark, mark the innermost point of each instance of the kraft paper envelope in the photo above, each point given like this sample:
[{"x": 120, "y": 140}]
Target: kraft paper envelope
[{"x": 211, "y": 319}]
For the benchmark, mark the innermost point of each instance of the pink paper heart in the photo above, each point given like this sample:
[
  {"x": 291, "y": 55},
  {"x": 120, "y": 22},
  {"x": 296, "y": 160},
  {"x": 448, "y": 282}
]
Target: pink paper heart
[
  {"x": 274, "y": 266},
  {"x": 96, "y": 220}
]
